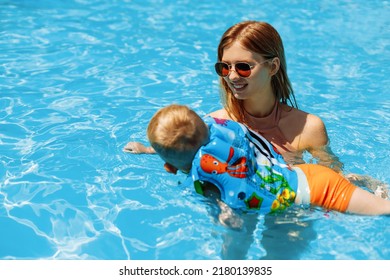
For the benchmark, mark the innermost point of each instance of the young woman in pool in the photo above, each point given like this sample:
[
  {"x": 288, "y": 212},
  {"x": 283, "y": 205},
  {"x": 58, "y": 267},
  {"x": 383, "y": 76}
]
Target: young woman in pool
[{"x": 256, "y": 91}]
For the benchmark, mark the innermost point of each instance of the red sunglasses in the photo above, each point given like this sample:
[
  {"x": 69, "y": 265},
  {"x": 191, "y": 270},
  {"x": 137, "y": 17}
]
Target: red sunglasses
[{"x": 242, "y": 68}]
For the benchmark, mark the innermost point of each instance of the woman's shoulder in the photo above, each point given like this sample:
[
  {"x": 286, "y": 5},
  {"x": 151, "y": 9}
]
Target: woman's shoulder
[
  {"x": 220, "y": 114},
  {"x": 312, "y": 128},
  {"x": 294, "y": 114}
]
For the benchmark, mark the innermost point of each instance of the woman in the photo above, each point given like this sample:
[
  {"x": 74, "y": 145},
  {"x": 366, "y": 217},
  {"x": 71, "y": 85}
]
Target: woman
[{"x": 256, "y": 91}]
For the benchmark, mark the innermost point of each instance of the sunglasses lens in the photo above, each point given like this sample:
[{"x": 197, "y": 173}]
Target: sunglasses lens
[
  {"x": 222, "y": 69},
  {"x": 243, "y": 69}
]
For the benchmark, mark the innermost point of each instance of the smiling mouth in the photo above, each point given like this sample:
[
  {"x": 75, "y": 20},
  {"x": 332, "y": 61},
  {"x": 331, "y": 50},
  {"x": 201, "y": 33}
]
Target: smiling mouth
[{"x": 238, "y": 86}]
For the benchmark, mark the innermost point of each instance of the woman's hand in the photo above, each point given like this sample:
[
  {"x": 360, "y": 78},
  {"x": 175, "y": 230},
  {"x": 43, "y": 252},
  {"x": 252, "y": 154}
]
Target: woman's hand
[{"x": 376, "y": 186}]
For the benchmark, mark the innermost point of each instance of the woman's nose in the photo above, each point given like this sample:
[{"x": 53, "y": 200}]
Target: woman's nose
[{"x": 233, "y": 75}]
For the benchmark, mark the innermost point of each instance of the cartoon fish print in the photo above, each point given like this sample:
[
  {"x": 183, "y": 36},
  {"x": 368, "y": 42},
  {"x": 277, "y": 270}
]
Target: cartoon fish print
[{"x": 212, "y": 165}]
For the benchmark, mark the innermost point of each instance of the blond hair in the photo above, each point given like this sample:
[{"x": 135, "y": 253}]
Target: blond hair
[{"x": 176, "y": 133}]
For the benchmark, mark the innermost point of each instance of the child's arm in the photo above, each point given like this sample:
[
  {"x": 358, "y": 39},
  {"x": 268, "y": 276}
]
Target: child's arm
[
  {"x": 226, "y": 215},
  {"x": 238, "y": 237},
  {"x": 138, "y": 148},
  {"x": 228, "y": 218}
]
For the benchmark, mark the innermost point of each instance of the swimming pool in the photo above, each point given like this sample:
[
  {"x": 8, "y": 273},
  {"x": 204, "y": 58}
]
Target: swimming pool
[{"x": 81, "y": 78}]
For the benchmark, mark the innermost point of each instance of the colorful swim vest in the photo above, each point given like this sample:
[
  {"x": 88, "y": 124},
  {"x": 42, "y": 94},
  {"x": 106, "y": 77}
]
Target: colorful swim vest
[{"x": 248, "y": 171}]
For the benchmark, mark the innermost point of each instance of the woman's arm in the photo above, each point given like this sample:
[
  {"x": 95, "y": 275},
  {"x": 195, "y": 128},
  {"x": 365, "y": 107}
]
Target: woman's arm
[
  {"x": 375, "y": 186},
  {"x": 324, "y": 156},
  {"x": 315, "y": 140}
]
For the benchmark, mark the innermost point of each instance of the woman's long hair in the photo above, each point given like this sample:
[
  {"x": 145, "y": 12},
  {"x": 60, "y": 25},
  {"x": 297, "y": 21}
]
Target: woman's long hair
[{"x": 261, "y": 38}]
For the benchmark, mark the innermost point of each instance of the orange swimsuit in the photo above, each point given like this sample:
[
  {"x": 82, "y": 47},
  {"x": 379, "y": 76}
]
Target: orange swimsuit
[{"x": 325, "y": 187}]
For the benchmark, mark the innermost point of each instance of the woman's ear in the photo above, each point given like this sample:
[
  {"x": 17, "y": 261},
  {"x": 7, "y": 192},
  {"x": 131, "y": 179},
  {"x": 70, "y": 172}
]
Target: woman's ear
[
  {"x": 170, "y": 168},
  {"x": 275, "y": 64}
]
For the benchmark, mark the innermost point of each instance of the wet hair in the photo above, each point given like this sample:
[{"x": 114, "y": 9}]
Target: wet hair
[
  {"x": 176, "y": 133},
  {"x": 263, "y": 39}
]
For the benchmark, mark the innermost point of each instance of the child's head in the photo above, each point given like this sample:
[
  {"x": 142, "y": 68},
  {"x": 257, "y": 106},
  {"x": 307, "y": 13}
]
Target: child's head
[{"x": 176, "y": 133}]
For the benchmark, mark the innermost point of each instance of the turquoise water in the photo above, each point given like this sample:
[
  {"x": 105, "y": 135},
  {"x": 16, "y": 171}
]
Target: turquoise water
[{"x": 81, "y": 78}]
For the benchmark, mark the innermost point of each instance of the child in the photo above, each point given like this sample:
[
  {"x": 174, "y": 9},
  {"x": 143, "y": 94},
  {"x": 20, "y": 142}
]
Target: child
[{"x": 245, "y": 170}]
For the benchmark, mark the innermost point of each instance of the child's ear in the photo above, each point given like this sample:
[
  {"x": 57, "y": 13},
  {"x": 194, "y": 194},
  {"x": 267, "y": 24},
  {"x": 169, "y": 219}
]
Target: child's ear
[{"x": 170, "y": 168}]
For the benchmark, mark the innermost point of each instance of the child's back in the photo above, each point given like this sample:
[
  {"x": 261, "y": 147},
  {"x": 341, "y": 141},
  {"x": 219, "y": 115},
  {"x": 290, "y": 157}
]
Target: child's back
[{"x": 249, "y": 173}]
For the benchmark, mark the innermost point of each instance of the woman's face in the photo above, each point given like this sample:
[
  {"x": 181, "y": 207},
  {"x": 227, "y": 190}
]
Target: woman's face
[{"x": 258, "y": 83}]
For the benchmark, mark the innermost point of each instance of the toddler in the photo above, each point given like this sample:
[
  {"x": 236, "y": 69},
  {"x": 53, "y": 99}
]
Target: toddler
[{"x": 245, "y": 170}]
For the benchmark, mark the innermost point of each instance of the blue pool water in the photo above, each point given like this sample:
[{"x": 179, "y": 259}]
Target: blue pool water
[{"x": 81, "y": 78}]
